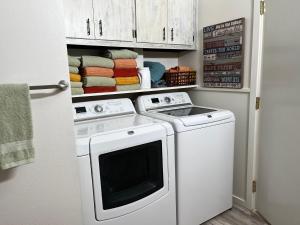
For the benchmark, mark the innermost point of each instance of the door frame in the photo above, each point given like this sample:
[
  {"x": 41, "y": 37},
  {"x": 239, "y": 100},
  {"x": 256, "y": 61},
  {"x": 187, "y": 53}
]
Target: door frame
[{"x": 255, "y": 89}]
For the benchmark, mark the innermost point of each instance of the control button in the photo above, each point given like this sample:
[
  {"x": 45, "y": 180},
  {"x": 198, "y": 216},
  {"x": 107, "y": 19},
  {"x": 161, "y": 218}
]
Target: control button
[
  {"x": 167, "y": 100},
  {"x": 131, "y": 132},
  {"x": 98, "y": 108}
]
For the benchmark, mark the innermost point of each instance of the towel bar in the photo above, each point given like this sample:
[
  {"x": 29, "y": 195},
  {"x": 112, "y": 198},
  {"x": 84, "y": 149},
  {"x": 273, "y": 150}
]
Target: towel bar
[{"x": 62, "y": 85}]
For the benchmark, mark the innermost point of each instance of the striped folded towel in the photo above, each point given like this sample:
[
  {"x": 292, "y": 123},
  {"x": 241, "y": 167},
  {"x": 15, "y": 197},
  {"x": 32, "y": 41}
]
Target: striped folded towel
[
  {"x": 75, "y": 77},
  {"x": 121, "y": 54},
  {"x": 92, "y": 81},
  {"x": 125, "y": 63},
  {"x": 97, "y": 71},
  {"x": 74, "y": 61},
  {"x": 130, "y": 87},
  {"x": 127, "y": 80},
  {"x": 76, "y": 84},
  {"x": 97, "y": 61},
  {"x": 73, "y": 69},
  {"x": 77, "y": 91}
]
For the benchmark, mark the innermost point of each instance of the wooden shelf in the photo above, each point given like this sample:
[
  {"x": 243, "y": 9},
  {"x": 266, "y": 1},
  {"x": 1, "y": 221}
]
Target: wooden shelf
[{"x": 136, "y": 91}]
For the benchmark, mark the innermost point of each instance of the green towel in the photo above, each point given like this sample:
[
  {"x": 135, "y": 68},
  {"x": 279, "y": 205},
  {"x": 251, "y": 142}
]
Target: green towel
[
  {"x": 77, "y": 91},
  {"x": 74, "y": 61},
  {"x": 76, "y": 84},
  {"x": 16, "y": 147},
  {"x": 121, "y": 54},
  {"x": 73, "y": 69},
  {"x": 130, "y": 87},
  {"x": 97, "y": 61},
  {"x": 92, "y": 81}
]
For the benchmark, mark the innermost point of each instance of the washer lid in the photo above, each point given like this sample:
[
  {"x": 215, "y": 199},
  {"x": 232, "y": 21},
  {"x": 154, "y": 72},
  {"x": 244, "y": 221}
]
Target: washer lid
[
  {"x": 84, "y": 130},
  {"x": 98, "y": 126},
  {"x": 189, "y": 111},
  {"x": 192, "y": 116}
]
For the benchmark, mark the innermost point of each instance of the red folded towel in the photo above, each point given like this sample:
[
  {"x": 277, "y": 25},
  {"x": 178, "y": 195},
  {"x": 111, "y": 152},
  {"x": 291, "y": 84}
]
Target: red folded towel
[
  {"x": 132, "y": 72},
  {"x": 99, "y": 89}
]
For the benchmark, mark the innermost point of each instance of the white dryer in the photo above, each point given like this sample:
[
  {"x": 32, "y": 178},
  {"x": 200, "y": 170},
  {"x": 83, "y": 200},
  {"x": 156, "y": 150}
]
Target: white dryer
[
  {"x": 126, "y": 164},
  {"x": 204, "y": 140}
]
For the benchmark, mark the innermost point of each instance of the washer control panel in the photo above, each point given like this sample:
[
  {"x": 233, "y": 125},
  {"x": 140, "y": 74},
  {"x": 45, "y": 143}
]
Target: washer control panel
[
  {"x": 102, "y": 108},
  {"x": 148, "y": 102}
]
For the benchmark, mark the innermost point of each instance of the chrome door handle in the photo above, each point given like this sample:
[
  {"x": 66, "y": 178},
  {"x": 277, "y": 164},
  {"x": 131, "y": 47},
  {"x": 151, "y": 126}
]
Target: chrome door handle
[
  {"x": 100, "y": 28},
  {"x": 88, "y": 28}
]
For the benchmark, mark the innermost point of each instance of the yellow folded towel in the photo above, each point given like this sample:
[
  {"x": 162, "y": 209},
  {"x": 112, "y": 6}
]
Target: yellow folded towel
[
  {"x": 127, "y": 80},
  {"x": 75, "y": 77}
]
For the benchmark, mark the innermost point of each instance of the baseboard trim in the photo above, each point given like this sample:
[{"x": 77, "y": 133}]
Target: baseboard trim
[
  {"x": 239, "y": 201},
  {"x": 257, "y": 213}
]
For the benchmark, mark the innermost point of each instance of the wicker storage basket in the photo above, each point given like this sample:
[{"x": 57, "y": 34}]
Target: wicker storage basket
[{"x": 180, "y": 78}]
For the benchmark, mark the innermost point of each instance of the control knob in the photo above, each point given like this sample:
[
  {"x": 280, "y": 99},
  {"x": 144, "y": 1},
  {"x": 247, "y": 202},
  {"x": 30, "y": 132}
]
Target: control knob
[
  {"x": 98, "y": 108},
  {"x": 167, "y": 100}
]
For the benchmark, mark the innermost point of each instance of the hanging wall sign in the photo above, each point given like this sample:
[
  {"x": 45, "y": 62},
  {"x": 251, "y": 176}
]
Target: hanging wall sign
[{"x": 223, "y": 51}]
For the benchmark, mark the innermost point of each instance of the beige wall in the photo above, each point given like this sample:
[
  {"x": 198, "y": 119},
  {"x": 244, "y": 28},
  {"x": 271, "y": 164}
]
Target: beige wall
[
  {"x": 33, "y": 51},
  {"x": 212, "y": 12}
]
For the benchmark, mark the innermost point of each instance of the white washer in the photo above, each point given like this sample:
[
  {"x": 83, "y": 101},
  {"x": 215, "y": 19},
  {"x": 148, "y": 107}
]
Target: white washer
[
  {"x": 204, "y": 140},
  {"x": 126, "y": 163}
]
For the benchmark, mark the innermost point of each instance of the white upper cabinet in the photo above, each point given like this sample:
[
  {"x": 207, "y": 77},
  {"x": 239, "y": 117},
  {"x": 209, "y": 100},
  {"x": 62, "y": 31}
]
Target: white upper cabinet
[
  {"x": 181, "y": 22},
  {"x": 131, "y": 23},
  {"x": 79, "y": 19},
  {"x": 114, "y": 20},
  {"x": 152, "y": 21}
]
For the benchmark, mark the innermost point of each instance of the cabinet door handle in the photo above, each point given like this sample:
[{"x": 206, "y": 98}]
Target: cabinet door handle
[
  {"x": 100, "y": 28},
  {"x": 172, "y": 34},
  {"x": 164, "y": 34},
  {"x": 88, "y": 28}
]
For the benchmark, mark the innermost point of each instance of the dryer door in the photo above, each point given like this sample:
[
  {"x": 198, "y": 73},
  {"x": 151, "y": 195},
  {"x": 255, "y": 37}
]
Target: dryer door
[{"x": 129, "y": 170}]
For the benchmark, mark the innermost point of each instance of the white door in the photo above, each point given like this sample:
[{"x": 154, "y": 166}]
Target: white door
[
  {"x": 181, "y": 22},
  {"x": 278, "y": 184},
  {"x": 47, "y": 190},
  {"x": 152, "y": 21},
  {"x": 79, "y": 18},
  {"x": 113, "y": 19}
]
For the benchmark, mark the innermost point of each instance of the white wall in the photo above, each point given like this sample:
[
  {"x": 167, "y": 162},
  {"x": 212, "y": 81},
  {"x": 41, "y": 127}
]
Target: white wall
[
  {"x": 213, "y": 12},
  {"x": 33, "y": 51},
  {"x": 168, "y": 59}
]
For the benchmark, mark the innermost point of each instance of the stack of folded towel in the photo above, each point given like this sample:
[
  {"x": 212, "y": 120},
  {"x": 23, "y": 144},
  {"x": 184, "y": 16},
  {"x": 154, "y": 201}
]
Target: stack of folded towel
[
  {"x": 97, "y": 74},
  {"x": 125, "y": 69},
  {"x": 76, "y": 85}
]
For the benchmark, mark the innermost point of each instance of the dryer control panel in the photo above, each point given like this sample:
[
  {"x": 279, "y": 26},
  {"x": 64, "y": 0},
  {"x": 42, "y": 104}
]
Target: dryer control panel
[
  {"x": 102, "y": 108},
  {"x": 148, "y": 102}
]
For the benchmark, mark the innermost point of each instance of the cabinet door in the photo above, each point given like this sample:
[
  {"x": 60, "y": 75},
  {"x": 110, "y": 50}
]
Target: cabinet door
[
  {"x": 181, "y": 22},
  {"x": 151, "y": 20},
  {"x": 113, "y": 19},
  {"x": 79, "y": 18}
]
